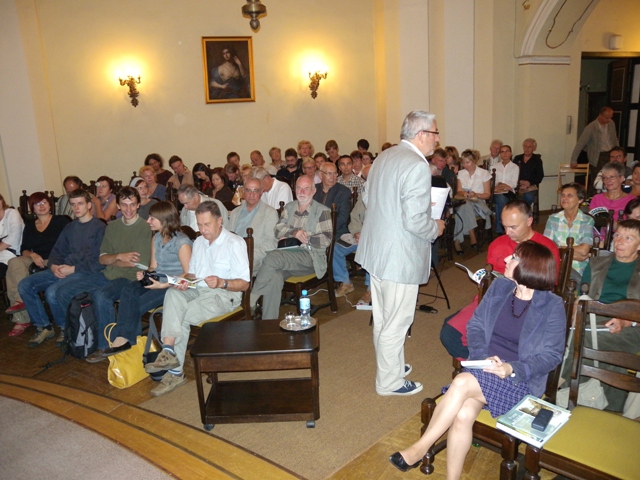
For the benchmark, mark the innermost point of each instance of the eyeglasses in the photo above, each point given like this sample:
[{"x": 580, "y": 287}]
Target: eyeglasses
[
  {"x": 609, "y": 177},
  {"x": 42, "y": 203},
  {"x": 435, "y": 132},
  {"x": 330, "y": 174}
]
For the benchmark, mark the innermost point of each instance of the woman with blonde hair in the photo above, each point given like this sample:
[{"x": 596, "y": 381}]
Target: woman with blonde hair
[
  {"x": 305, "y": 149},
  {"x": 155, "y": 190}
]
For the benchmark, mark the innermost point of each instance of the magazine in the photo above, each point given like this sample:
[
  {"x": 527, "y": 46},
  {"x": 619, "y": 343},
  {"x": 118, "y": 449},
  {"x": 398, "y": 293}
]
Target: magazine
[
  {"x": 517, "y": 421},
  {"x": 180, "y": 280}
]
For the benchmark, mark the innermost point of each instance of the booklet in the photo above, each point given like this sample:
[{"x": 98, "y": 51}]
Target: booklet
[
  {"x": 476, "y": 364},
  {"x": 181, "y": 281},
  {"x": 517, "y": 421}
]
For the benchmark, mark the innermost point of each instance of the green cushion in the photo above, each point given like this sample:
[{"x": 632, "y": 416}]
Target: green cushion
[{"x": 601, "y": 440}]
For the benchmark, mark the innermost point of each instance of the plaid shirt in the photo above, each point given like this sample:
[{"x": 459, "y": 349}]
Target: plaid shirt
[
  {"x": 321, "y": 238},
  {"x": 354, "y": 181},
  {"x": 557, "y": 229}
]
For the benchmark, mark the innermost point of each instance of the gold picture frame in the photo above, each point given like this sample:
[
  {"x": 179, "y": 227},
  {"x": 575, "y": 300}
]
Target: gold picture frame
[{"x": 228, "y": 69}]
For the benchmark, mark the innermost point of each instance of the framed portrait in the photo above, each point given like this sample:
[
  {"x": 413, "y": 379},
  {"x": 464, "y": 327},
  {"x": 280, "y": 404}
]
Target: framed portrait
[{"x": 228, "y": 69}]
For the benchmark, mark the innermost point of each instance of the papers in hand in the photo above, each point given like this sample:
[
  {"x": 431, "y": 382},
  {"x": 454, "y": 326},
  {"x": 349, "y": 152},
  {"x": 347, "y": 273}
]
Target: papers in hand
[
  {"x": 476, "y": 364},
  {"x": 191, "y": 283},
  {"x": 517, "y": 421},
  {"x": 439, "y": 199}
]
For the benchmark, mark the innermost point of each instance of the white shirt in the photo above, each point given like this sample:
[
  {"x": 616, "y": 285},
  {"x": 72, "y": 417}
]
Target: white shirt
[
  {"x": 280, "y": 192},
  {"x": 475, "y": 182},
  {"x": 508, "y": 174},
  {"x": 225, "y": 258}
]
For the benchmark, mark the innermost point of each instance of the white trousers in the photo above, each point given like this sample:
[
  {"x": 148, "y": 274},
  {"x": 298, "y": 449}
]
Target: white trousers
[{"x": 394, "y": 306}]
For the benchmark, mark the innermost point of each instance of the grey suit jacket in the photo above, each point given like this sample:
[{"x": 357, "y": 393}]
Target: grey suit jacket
[
  {"x": 395, "y": 243},
  {"x": 589, "y": 139},
  {"x": 264, "y": 238}
]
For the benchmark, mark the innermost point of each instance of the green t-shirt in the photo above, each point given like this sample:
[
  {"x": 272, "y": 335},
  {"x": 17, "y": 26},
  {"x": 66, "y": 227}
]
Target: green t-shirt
[
  {"x": 616, "y": 282},
  {"x": 120, "y": 238}
]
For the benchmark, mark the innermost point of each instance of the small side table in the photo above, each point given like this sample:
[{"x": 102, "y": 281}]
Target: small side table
[{"x": 256, "y": 345}]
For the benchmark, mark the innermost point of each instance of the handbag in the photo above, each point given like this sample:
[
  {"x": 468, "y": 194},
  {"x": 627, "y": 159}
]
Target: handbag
[
  {"x": 590, "y": 394},
  {"x": 126, "y": 368}
]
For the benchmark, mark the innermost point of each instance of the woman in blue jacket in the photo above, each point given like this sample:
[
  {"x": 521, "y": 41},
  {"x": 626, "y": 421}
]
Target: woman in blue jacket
[{"x": 520, "y": 327}]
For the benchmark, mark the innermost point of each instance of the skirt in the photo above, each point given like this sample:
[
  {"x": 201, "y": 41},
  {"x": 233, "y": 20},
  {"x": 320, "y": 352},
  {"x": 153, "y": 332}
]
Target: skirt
[{"x": 501, "y": 394}]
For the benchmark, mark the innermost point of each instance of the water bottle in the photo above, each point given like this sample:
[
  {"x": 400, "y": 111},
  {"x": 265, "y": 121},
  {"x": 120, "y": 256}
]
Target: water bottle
[{"x": 305, "y": 309}]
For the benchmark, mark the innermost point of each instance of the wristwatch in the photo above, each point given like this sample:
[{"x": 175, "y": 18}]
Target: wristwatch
[{"x": 225, "y": 285}]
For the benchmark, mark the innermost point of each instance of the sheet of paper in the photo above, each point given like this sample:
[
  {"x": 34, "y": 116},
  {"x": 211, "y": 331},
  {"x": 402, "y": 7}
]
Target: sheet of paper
[{"x": 438, "y": 200}]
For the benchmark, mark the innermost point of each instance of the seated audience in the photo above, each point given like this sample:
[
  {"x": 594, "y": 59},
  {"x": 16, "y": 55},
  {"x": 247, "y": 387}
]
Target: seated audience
[
  {"x": 125, "y": 246},
  {"x": 494, "y": 154},
  {"x": 275, "y": 191},
  {"x": 614, "y": 198},
  {"x": 233, "y": 157},
  {"x": 202, "y": 179},
  {"x": 305, "y": 150},
  {"x": 74, "y": 255},
  {"x": 146, "y": 202},
  {"x": 182, "y": 175},
  {"x": 11, "y": 226},
  {"x": 517, "y": 217},
  {"x": 523, "y": 351},
  {"x": 154, "y": 189},
  {"x": 385, "y": 145},
  {"x": 635, "y": 180},
  {"x": 439, "y": 168},
  {"x": 63, "y": 207},
  {"x": 571, "y": 222},
  {"x": 220, "y": 189},
  {"x": 225, "y": 270},
  {"x": 260, "y": 217},
  {"x": 105, "y": 199},
  {"x": 618, "y": 155},
  {"x": 507, "y": 174},
  {"x": 331, "y": 147},
  {"x": 347, "y": 177},
  {"x": 257, "y": 161},
  {"x": 319, "y": 158},
  {"x": 367, "y": 158},
  {"x": 531, "y": 170},
  {"x": 632, "y": 210},
  {"x": 170, "y": 254},
  {"x": 233, "y": 173},
  {"x": 329, "y": 191},
  {"x": 276, "y": 158},
  {"x": 340, "y": 252},
  {"x": 155, "y": 161},
  {"x": 310, "y": 223},
  {"x": 362, "y": 145},
  {"x": 453, "y": 159},
  {"x": 38, "y": 238},
  {"x": 292, "y": 169},
  {"x": 612, "y": 278},
  {"x": 309, "y": 168},
  {"x": 246, "y": 170},
  {"x": 474, "y": 186},
  {"x": 356, "y": 158},
  {"x": 190, "y": 198}
]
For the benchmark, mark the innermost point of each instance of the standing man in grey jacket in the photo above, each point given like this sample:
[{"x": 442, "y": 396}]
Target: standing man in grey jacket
[
  {"x": 395, "y": 244},
  {"x": 599, "y": 137}
]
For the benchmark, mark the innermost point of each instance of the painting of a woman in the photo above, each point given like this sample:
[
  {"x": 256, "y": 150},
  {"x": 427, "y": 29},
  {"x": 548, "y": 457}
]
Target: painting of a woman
[{"x": 228, "y": 69}]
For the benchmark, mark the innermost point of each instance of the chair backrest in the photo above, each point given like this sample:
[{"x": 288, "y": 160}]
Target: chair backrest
[
  {"x": 189, "y": 232},
  {"x": 332, "y": 245},
  {"x": 281, "y": 209},
  {"x": 354, "y": 196},
  {"x": 566, "y": 260},
  {"x": 23, "y": 204},
  {"x": 172, "y": 196},
  {"x": 623, "y": 309},
  {"x": 486, "y": 281},
  {"x": 492, "y": 188},
  {"x": 246, "y": 295},
  {"x": 603, "y": 229}
]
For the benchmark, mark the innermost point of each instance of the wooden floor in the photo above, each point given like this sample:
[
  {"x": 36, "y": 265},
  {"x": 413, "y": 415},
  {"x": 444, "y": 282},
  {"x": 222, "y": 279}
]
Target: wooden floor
[{"x": 18, "y": 359}]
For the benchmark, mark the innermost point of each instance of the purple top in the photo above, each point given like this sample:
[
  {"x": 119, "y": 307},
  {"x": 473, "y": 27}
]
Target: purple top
[{"x": 505, "y": 337}]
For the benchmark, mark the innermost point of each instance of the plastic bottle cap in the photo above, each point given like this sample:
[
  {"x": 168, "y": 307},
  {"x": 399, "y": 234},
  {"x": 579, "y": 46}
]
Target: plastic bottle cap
[{"x": 304, "y": 292}]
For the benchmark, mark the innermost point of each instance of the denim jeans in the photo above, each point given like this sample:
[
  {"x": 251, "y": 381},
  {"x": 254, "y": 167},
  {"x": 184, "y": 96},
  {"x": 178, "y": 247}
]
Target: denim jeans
[
  {"x": 340, "y": 273},
  {"x": 47, "y": 282},
  {"x": 135, "y": 301},
  {"x": 529, "y": 197}
]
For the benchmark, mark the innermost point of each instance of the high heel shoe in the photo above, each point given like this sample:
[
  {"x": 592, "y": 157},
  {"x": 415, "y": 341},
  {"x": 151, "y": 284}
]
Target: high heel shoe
[{"x": 398, "y": 461}]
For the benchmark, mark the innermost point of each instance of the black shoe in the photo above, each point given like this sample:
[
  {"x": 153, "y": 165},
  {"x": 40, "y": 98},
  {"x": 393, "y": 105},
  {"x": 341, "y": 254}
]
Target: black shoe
[
  {"x": 475, "y": 246},
  {"x": 398, "y": 462},
  {"x": 459, "y": 252},
  {"x": 113, "y": 350}
]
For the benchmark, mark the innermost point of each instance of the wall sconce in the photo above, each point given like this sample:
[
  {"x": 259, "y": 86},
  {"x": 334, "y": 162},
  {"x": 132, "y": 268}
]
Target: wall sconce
[
  {"x": 254, "y": 9},
  {"x": 615, "y": 42},
  {"x": 131, "y": 82},
  {"x": 315, "y": 82}
]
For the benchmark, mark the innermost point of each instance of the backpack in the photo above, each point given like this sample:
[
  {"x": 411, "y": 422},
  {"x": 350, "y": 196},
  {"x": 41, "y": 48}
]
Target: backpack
[{"x": 81, "y": 330}]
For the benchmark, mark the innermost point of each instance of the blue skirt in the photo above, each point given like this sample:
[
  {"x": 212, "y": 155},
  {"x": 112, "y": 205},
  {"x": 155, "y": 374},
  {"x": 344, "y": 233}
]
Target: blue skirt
[{"x": 501, "y": 394}]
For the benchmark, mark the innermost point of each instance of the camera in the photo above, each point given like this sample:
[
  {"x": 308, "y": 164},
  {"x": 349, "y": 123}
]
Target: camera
[{"x": 147, "y": 277}]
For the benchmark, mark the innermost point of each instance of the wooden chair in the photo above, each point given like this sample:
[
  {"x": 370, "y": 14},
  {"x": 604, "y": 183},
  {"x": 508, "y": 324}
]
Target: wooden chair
[
  {"x": 354, "y": 196},
  {"x": 295, "y": 285},
  {"x": 576, "y": 169},
  {"x": 603, "y": 223},
  {"x": 566, "y": 261},
  {"x": 243, "y": 311},
  {"x": 281, "y": 209},
  {"x": 483, "y": 234},
  {"x": 484, "y": 428},
  {"x": 172, "y": 196},
  {"x": 594, "y": 444}
]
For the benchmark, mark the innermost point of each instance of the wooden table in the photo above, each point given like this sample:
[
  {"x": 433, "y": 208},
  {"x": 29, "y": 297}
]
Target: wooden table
[{"x": 256, "y": 345}]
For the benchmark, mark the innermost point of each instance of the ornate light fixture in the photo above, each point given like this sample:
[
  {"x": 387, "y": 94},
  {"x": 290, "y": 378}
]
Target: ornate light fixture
[
  {"x": 253, "y": 9},
  {"x": 315, "y": 82},
  {"x": 131, "y": 82}
]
